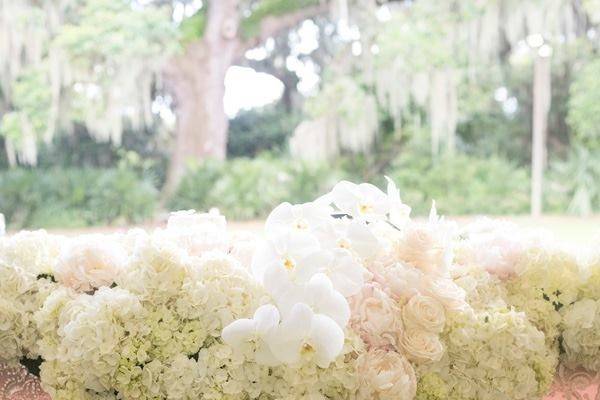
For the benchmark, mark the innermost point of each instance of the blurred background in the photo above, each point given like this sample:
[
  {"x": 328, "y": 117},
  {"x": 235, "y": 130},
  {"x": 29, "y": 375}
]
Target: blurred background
[{"x": 113, "y": 112}]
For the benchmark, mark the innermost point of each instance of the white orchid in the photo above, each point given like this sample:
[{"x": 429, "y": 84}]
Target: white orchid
[
  {"x": 352, "y": 235},
  {"x": 243, "y": 331},
  {"x": 318, "y": 293},
  {"x": 364, "y": 201},
  {"x": 345, "y": 272},
  {"x": 399, "y": 212},
  {"x": 306, "y": 335},
  {"x": 297, "y": 253},
  {"x": 297, "y": 217}
]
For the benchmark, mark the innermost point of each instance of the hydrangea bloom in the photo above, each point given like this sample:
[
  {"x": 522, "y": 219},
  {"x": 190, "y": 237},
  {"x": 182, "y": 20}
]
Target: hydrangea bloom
[{"x": 345, "y": 298}]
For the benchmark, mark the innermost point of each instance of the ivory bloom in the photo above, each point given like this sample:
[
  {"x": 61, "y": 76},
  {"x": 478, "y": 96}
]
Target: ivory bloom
[
  {"x": 422, "y": 346},
  {"x": 424, "y": 312},
  {"x": 386, "y": 375},
  {"x": 90, "y": 262}
]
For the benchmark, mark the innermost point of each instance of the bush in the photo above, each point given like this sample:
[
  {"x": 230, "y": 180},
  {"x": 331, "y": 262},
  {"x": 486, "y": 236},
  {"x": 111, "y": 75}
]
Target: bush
[
  {"x": 573, "y": 183},
  {"x": 74, "y": 197},
  {"x": 255, "y": 131},
  {"x": 462, "y": 184},
  {"x": 245, "y": 188}
]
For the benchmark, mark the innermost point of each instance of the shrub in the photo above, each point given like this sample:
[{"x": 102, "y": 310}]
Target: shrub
[
  {"x": 245, "y": 188},
  {"x": 255, "y": 131},
  {"x": 573, "y": 183},
  {"x": 462, "y": 184},
  {"x": 74, "y": 197}
]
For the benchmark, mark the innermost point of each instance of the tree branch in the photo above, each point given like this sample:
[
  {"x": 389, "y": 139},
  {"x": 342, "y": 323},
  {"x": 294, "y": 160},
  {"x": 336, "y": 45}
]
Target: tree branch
[{"x": 274, "y": 24}]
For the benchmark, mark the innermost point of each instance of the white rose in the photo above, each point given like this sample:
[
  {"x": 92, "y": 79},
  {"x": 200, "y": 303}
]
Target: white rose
[
  {"x": 446, "y": 292},
  {"x": 427, "y": 247},
  {"x": 386, "y": 375},
  {"x": 424, "y": 312},
  {"x": 422, "y": 346},
  {"x": 90, "y": 262}
]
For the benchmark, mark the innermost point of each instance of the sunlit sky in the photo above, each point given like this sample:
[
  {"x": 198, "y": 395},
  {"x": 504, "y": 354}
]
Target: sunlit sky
[{"x": 246, "y": 88}]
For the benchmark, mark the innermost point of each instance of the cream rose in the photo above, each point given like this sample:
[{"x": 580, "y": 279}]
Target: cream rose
[
  {"x": 386, "y": 375},
  {"x": 426, "y": 247},
  {"x": 446, "y": 292},
  {"x": 422, "y": 346},
  {"x": 90, "y": 262},
  {"x": 376, "y": 317},
  {"x": 424, "y": 312},
  {"x": 401, "y": 280}
]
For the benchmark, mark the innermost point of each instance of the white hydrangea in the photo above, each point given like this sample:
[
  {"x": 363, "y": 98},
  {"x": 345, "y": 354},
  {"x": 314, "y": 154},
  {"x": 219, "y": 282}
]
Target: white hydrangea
[
  {"x": 490, "y": 355},
  {"x": 581, "y": 335},
  {"x": 346, "y": 298},
  {"x": 547, "y": 280},
  {"x": 23, "y": 289}
]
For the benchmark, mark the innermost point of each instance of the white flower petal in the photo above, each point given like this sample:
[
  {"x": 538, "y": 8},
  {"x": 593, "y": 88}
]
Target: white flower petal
[
  {"x": 266, "y": 318},
  {"x": 325, "y": 300},
  {"x": 362, "y": 240},
  {"x": 346, "y": 274},
  {"x": 280, "y": 219},
  {"x": 238, "y": 332},
  {"x": 264, "y": 255},
  {"x": 327, "y": 338}
]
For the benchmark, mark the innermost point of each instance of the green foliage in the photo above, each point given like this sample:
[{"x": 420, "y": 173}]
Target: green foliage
[
  {"x": 192, "y": 28},
  {"x": 74, "y": 197},
  {"x": 196, "y": 185},
  {"x": 267, "y": 129},
  {"x": 115, "y": 30},
  {"x": 584, "y": 105},
  {"x": 343, "y": 97},
  {"x": 462, "y": 184},
  {"x": 245, "y": 188},
  {"x": 31, "y": 101},
  {"x": 574, "y": 182},
  {"x": 420, "y": 38},
  {"x": 250, "y": 25},
  {"x": 249, "y": 188}
]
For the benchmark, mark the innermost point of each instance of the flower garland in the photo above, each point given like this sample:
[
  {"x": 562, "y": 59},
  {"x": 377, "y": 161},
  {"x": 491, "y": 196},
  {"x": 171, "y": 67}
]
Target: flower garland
[{"x": 345, "y": 297}]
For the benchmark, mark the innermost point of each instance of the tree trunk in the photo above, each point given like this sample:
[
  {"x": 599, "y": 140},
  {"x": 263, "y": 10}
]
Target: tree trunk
[
  {"x": 197, "y": 82},
  {"x": 541, "y": 107}
]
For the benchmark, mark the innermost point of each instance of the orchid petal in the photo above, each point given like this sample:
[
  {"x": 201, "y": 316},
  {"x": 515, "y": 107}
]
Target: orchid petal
[
  {"x": 266, "y": 318},
  {"x": 327, "y": 338},
  {"x": 238, "y": 332}
]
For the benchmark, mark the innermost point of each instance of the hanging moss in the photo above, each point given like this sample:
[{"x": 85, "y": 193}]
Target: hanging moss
[{"x": 92, "y": 62}]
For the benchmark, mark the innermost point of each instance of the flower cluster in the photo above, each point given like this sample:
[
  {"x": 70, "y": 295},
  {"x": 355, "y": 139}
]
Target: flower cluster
[
  {"x": 581, "y": 322},
  {"x": 345, "y": 297},
  {"x": 26, "y": 261}
]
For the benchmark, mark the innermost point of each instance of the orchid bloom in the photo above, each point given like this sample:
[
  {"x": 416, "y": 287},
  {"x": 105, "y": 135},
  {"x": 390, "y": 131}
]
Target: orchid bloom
[
  {"x": 298, "y": 217},
  {"x": 305, "y": 334},
  {"x": 318, "y": 293},
  {"x": 242, "y": 331},
  {"x": 399, "y": 212},
  {"x": 299, "y": 254},
  {"x": 364, "y": 201},
  {"x": 346, "y": 274}
]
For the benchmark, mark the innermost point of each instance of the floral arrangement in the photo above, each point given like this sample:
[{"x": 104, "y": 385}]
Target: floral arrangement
[{"x": 345, "y": 297}]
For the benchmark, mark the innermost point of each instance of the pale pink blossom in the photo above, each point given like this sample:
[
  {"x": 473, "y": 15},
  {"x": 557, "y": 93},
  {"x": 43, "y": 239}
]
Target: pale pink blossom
[
  {"x": 386, "y": 375},
  {"x": 376, "y": 317}
]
